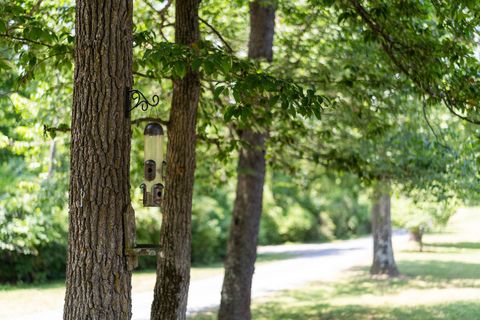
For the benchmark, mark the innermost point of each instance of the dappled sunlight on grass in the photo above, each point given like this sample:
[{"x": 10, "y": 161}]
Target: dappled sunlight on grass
[
  {"x": 441, "y": 271},
  {"x": 456, "y": 245},
  {"x": 323, "y": 311},
  {"x": 443, "y": 282}
]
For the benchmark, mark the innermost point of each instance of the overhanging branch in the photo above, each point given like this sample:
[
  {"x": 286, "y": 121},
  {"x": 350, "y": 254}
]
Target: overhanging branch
[
  {"x": 388, "y": 45},
  {"x": 225, "y": 43}
]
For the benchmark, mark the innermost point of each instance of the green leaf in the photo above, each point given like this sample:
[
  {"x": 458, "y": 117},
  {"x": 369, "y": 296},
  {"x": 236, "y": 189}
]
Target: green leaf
[
  {"x": 318, "y": 113},
  {"x": 209, "y": 67},
  {"x": 236, "y": 95},
  {"x": 229, "y": 113},
  {"x": 63, "y": 126},
  {"x": 273, "y": 100},
  {"x": 218, "y": 91},
  {"x": 179, "y": 69},
  {"x": 5, "y": 64},
  {"x": 196, "y": 63},
  {"x": 226, "y": 65}
]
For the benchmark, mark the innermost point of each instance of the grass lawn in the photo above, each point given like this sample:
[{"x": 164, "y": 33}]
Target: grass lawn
[{"x": 442, "y": 282}]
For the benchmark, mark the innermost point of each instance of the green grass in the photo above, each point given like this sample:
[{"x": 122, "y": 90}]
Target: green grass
[
  {"x": 456, "y": 245},
  {"x": 442, "y": 282}
]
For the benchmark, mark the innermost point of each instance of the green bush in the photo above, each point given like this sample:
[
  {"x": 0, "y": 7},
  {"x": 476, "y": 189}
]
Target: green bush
[
  {"x": 428, "y": 214},
  {"x": 33, "y": 237},
  {"x": 209, "y": 230},
  {"x": 270, "y": 225},
  {"x": 322, "y": 208},
  {"x": 48, "y": 263},
  {"x": 298, "y": 225}
]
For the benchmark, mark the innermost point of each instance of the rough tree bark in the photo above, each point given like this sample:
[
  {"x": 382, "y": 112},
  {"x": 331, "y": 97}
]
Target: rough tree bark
[
  {"x": 242, "y": 242},
  {"x": 383, "y": 260},
  {"x": 98, "y": 278},
  {"x": 173, "y": 268}
]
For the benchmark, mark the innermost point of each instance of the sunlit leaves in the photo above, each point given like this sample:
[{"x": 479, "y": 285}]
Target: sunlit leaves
[
  {"x": 429, "y": 42},
  {"x": 239, "y": 80}
]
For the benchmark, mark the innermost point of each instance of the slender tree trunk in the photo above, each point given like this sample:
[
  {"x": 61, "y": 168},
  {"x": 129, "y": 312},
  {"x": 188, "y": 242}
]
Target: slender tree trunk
[
  {"x": 383, "y": 260},
  {"x": 98, "y": 278},
  {"x": 242, "y": 243},
  {"x": 51, "y": 164},
  {"x": 173, "y": 270}
]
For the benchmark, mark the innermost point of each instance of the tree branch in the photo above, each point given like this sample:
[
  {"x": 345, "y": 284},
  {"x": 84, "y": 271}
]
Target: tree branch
[
  {"x": 149, "y": 119},
  {"x": 225, "y": 43},
  {"x": 25, "y": 40},
  {"x": 143, "y": 75},
  {"x": 450, "y": 108},
  {"x": 214, "y": 141},
  {"x": 387, "y": 44},
  {"x": 35, "y": 8},
  {"x": 53, "y": 130},
  {"x": 162, "y": 12}
]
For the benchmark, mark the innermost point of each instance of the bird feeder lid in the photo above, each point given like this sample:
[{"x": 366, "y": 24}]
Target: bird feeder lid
[{"x": 153, "y": 129}]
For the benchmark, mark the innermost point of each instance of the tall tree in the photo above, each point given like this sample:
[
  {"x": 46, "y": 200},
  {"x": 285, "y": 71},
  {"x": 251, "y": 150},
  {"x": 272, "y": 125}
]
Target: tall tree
[
  {"x": 98, "y": 277},
  {"x": 173, "y": 267},
  {"x": 242, "y": 243},
  {"x": 383, "y": 260}
]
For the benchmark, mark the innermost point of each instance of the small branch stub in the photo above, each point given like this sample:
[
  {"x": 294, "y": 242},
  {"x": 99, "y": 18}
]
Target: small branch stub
[{"x": 135, "y": 98}]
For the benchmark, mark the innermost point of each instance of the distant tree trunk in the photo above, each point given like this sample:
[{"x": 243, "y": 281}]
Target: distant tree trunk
[
  {"x": 242, "y": 243},
  {"x": 383, "y": 260},
  {"x": 173, "y": 268},
  {"x": 98, "y": 278},
  {"x": 51, "y": 164},
  {"x": 416, "y": 234}
]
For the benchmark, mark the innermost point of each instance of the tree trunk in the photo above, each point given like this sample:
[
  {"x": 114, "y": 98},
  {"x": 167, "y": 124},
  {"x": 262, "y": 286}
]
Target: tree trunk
[
  {"x": 383, "y": 260},
  {"x": 51, "y": 164},
  {"x": 98, "y": 278},
  {"x": 173, "y": 268},
  {"x": 242, "y": 243},
  {"x": 416, "y": 234}
]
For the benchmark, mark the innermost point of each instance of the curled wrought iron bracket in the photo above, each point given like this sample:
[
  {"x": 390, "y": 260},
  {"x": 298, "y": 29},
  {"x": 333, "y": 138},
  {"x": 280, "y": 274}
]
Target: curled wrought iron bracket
[{"x": 135, "y": 98}]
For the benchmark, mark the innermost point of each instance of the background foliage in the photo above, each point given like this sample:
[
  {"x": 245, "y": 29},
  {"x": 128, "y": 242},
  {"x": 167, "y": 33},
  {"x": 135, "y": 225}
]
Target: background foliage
[{"x": 346, "y": 106}]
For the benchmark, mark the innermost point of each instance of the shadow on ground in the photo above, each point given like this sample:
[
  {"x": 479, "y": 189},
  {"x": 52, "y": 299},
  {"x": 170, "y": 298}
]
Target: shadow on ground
[
  {"x": 452, "y": 311},
  {"x": 424, "y": 274},
  {"x": 455, "y": 245},
  {"x": 317, "y": 303},
  {"x": 300, "y": 309}
]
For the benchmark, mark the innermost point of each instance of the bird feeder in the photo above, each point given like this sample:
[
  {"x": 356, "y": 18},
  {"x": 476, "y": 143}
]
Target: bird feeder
[
  {"x": 154, "y": 166},
  {"x": 154, "y": 176}
]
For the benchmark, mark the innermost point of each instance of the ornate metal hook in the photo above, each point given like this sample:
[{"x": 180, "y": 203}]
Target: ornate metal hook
[{"x": 138, "y": 99}]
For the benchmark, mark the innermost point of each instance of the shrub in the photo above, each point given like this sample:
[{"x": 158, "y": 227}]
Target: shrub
[
  {"x": 209, "y": 230},
  {"x": 47, "y": 263}
]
